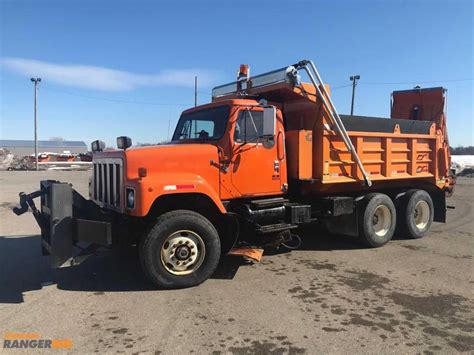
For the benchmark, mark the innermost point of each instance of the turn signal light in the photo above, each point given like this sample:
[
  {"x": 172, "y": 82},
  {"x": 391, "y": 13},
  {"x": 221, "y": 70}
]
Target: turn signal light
[
  {"x": 244, "y": 72},
  {"x": 142, "y": 172}
]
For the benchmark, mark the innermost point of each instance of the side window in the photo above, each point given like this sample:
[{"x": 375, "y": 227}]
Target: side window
[{"x": 249, "y": 126}]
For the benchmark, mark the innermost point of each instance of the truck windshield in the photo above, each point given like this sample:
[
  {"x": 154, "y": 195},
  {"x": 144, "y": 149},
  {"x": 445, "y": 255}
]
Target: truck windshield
[{"x": 207, "y": 124}]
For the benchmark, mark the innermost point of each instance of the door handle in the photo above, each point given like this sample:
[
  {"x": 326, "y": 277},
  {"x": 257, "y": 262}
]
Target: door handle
[
  {"x": 280, "y": 146},
  {"x": 276, "y": 166}
]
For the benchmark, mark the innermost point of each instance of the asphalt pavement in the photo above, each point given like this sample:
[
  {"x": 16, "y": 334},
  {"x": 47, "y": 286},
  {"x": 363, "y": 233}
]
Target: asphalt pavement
[{"x": 330, "y": 296}]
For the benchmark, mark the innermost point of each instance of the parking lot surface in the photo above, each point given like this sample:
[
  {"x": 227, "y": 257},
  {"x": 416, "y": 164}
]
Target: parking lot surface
[{"x": 331, "y": 296}]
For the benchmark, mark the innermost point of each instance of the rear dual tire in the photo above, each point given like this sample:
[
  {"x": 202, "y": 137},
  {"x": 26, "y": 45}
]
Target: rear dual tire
[
  {"x": 377, "y": 220},
  {"x": 416, "y": 212}
]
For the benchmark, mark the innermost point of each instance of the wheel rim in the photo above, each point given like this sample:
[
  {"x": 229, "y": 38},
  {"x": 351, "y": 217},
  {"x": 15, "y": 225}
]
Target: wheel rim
[
  {"x": 183, "y": 252},
  {"x": 421, "y": 214},
  {"x": 382, "y": 220}
]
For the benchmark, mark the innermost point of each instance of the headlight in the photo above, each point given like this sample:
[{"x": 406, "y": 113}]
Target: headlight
[
  {"x": 97, "y": 146},
  {"x": 124, "y": 142},
  {"x": 130, "y": 198}
]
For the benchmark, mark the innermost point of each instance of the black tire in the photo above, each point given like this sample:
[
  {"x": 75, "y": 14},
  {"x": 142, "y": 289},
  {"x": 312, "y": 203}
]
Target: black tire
[
  {"x": 179, "y": 224},
  {"x": 416, "y": 212},
  {"x": 374, "y": 209}
]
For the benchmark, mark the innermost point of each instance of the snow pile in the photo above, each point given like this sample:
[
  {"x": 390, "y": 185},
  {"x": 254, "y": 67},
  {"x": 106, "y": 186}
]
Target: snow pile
[
  {"x": 9, "y": 161},
  {"x": 6, "y": 159},
  {"x": 462, "y": 163}
]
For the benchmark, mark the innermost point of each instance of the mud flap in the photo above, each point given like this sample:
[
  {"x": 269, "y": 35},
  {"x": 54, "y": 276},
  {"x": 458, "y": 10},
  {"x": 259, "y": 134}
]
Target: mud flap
[
  {"x": 344, "y": 224},
  {"x": 72, "y": 227}
]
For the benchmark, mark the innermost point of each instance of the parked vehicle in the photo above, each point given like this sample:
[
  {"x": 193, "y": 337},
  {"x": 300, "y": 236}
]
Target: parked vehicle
[{"x": 268, "y": 154}]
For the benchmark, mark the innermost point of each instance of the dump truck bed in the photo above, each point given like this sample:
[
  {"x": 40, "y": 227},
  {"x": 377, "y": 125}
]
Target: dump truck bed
[
  {"x": 389, "y": 150},
  {"x": 394, "y": 152}
]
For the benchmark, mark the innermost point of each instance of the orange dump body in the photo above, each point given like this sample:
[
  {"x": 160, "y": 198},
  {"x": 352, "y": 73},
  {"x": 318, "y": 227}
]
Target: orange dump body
[
  {"x": 394, "y": 152},
  {"x": 427, "y": 105}
]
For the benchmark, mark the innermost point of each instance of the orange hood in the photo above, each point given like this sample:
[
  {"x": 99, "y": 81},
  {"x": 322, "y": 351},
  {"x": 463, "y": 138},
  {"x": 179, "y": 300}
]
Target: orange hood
[{"x": 168, "y": 166}]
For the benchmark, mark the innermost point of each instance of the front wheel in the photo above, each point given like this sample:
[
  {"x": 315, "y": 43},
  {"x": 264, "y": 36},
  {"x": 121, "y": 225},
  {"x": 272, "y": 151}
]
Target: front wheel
[
  {"x": 181, "y": 250},
  {"x": 377, "y": 220}
]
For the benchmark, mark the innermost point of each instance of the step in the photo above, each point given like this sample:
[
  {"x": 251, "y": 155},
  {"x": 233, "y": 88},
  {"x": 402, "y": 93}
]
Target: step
[
  {"x": 273, "y": 228},
  {"x": 268, "y": 202}
]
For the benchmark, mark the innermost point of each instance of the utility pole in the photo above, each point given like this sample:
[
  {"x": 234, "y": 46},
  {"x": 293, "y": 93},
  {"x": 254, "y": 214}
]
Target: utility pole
[
  {"x": 354, "y": 79},
  {"x": 36, "y": 81},
  {"x": 195, "y": 91}
]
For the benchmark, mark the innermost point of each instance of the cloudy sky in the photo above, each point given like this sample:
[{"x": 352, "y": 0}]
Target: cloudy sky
[{"x": 113, "y": 68}]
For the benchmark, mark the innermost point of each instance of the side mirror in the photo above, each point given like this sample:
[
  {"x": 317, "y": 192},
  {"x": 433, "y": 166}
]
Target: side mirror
[{"x": 269, "y": 121}]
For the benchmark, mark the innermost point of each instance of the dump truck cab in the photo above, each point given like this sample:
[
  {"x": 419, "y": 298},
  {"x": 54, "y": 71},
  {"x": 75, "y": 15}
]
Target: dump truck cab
[{"x": 215, "y": 151}]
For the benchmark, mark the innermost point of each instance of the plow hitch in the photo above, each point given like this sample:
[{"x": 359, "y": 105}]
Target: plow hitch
[{"x": 72, "y": 227}]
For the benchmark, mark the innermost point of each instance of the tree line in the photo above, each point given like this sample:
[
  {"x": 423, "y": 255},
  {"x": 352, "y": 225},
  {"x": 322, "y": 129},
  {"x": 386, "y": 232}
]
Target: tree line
[{"x": 462, "y": 150}]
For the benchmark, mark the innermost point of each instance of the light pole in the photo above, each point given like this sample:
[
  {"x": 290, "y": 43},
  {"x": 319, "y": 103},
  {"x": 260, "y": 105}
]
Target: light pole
[
  {"x": 36, "y": 81},
  {"x": 354, "y": 79}
]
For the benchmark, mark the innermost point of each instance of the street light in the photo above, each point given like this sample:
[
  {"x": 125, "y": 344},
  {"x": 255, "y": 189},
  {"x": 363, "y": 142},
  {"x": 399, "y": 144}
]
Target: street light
[
  {"x": 36, "y": 81},
  {"x": 354, "y": 79}
]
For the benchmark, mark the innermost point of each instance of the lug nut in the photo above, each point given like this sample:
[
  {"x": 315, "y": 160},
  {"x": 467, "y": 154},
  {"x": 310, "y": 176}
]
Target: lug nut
[
  {"x": 192, "y": 246},
  {"x": 193, "y": 253}
]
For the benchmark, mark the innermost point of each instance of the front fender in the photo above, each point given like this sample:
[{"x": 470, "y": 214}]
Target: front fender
[{"x": 153, "y": 186}]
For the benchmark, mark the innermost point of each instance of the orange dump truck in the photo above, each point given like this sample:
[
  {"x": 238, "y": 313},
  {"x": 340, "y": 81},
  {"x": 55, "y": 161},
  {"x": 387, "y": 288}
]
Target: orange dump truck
[{"x": 268, "y": 154}]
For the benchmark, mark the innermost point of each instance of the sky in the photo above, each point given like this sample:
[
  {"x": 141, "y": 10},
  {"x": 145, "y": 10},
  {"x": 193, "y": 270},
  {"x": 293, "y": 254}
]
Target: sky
[{"x": 112, "y": 68}]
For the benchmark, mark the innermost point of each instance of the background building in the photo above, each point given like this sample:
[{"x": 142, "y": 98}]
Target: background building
[{"x": 27, "y": 147}]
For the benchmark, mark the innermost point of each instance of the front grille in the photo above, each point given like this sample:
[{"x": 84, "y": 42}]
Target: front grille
[{"x": 107, "y": 182}]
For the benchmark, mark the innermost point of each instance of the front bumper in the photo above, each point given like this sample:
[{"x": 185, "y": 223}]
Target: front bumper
[{"x": 72, "y": 227}]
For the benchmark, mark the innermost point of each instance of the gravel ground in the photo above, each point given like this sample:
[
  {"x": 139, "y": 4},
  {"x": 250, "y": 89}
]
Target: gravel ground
[{"x": 331, "y": 296}]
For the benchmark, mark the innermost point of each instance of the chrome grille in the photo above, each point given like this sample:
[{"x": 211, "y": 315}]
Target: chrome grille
[{"x": 107, "y": 182}]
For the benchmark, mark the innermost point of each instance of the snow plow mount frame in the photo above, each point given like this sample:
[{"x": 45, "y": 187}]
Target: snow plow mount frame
[{"x": 72, "y": 227}]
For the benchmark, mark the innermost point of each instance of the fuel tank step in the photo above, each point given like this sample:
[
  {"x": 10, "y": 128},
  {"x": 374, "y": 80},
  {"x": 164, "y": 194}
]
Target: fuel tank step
[
  {"x": 268, "y": 202},
  {"x": 273, "y": 228}
]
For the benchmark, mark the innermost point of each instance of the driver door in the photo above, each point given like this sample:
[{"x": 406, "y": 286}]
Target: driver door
[{"x": 255, "y": 166}]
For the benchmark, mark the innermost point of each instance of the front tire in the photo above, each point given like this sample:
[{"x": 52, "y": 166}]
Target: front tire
[
  {"x": 377, "y": 220},
  {"x": 181, "y": 250}
]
